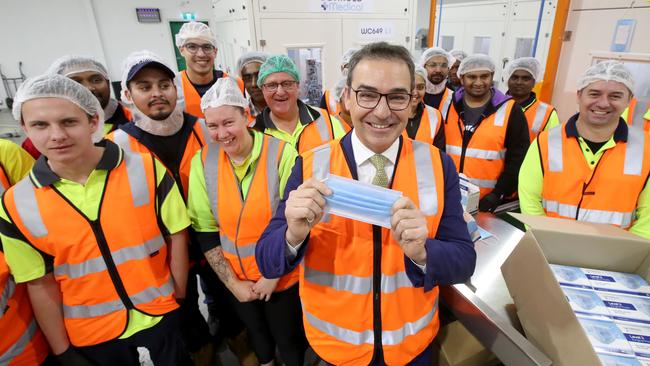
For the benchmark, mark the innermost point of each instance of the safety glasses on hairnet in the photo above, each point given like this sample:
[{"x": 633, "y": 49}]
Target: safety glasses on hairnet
[
  {"x": 194, "y": 48},
  {"x": 370, "y": 99}
]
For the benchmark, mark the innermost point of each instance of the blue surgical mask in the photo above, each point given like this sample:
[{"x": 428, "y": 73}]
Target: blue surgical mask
[
  {"x": 629, "y": 280},
  {"x": 360, "y": 201}
]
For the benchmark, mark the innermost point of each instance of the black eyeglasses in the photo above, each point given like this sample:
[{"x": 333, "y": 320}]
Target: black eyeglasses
[
  {"x": 194, "y": 48},
  {"x": 370, "y": 99}
]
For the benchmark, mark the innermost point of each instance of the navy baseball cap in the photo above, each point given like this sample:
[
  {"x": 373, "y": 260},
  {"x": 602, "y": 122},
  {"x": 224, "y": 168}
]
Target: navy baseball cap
[{"x": 150, "y": 63}]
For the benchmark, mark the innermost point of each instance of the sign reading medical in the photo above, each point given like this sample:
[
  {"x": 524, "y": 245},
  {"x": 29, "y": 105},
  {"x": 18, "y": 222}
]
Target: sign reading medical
[
  {"x": 342, "y": 6},
  {"x": 376, "y": 30}
]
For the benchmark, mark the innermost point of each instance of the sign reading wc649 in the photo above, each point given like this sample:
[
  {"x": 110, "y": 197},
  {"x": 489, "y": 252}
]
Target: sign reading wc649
[{"x": 376, "y": 30}]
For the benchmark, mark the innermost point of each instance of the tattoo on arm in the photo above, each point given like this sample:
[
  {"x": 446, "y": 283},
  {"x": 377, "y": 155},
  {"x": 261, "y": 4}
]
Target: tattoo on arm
[{"x": 220, "y": 265}]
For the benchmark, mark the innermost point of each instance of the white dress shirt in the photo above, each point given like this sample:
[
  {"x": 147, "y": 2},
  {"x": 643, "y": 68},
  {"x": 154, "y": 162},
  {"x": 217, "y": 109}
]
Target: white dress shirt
[
  {"x": 365, "y": 170},
  {"x": 365, "y": 173}
]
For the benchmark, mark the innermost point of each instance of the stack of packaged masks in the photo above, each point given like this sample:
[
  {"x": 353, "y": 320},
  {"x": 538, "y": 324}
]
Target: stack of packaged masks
[{"x": 613, "y": 309}]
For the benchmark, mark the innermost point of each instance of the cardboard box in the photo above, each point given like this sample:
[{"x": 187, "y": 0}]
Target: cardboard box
[
  {"x": 586, "y": 302},
  {"x": 470, "y": 194},
  {"x": 458, "y": 347},
  {"x": 617, "y": 360},
  {"x": 605, "y": 336},
  {"x": 638, "y": 335},
  {"x": 623, "y": 283},
  {"x": 545, "y": 314},
  {"x": 626, "y": 307},
  {"x": 571, "y": 276}
]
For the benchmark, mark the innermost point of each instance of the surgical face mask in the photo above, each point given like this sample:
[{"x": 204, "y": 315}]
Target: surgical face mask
[
  {"x": 601, "y": 333},
  {"x": 585, "y": 301},
  {"x": 630, "y": 281},
  {"x": 165, "y": 127},
  {"x": 360, "y": 201},
  {"x": 567, "y": 274}
]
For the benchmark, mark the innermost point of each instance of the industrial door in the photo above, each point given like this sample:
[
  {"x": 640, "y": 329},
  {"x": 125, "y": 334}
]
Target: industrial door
[{"x": 315, "y": 46}]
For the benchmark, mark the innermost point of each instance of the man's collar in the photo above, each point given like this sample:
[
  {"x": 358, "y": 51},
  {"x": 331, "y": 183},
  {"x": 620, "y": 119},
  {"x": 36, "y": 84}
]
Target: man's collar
[
  {"x": 306, "y": 115},
  {"x": 620, "y": 134},
  {"x": 42, "y": 175},
  {"x": 363, "y": 153},
  {"x": 532, "y": 98}
]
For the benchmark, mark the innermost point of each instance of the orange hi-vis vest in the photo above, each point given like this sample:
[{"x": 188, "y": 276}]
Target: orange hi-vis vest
[
  {"x": 198, "y": 138},
  {"x": 22, "y": 342},
  {"x": 192, "y": 97},
  {"x": 483, "y": 159},
  {"x": 430, "y": 123},
  {"x": 316, "y": 133},
  {"x": 242, "y": 221},
  {"x": 102, "y": 269},
  {"x": 4, "y": 180},
  {"x": 632, "y": 119},
  {"x": 351, "y": 306},
  {"x": 446, "y": 102},
  {"x": 333, "y": 106},
  {"x": 606, "y": 194},
  {"x": 537, "y": 116},
  {"x": 334, "y": 109}
]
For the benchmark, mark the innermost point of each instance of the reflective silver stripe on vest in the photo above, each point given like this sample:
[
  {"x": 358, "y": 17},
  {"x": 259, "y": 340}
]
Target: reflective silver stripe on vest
[
  {"x": 638, "y": 120},
  {"x": 19, "y": 347},
  {"x": 555, "y": 163},
  {"x": 538, "y": 121},
  {"x": 134, "y": 170},
  {"x": 427, "y": 193},
  {"x": 143, "y": 297},
  {"x": 622, "y": 219},
  {"x": 204, "y": 129},
  {"x": 476, "y": 153},
  {"x": 433, "y": 120},
  {"x": 2, "y": 189},
  {"x": 484, "y": 183},
  {"x": 634, "y": 149},
  {"x": 7, "y": 293},
  {"x": 358, "y": 285},
  {"x": 331, "y": 101},
  {"x": 242, "y": 251},
  {"x": 321, "y": 163},
  {"x": 211, "y": 173},
  {"x": 500, "y": 115},
  {"x": 121, "y": 256},
  {"x": 446, "y": 103},
  {"x": 272, "y": 173},
  {"x": 388, "y": 337},
  {"x": 323, "y": 129},
  {"x": 27, "y": 208}
]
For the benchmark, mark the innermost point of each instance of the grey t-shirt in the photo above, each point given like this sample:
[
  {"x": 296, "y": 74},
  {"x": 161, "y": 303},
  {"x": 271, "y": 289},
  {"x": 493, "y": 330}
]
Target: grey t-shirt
[{"x": 471, "y": 115}]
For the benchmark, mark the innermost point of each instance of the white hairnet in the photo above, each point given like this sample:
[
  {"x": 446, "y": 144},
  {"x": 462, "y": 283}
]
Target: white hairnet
[
  {"x": 338, "y": 88},
  {"x": 224, "y": 92},
  {"x": 347, "y": 56},
  {"x": 194, "y": 30},
  {"x": 419, "y": 70},
  {"x": 68, "y": 65},
  {"x": 142, "y": 57},
  {"x": 249, "y": 57},
  {"x": 433, "y": 52},
  {"x": 476, "y": 62},
  {"x": 529, "y": 64},
  {"x": 58, "y": 86},
  {"x": 607, "y": 71},
  {"x": 459, "y": 55}
]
